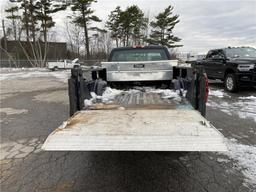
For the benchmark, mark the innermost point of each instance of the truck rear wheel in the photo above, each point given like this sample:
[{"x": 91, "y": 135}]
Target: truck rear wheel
[
  {"x": 231, "y": 83},
  {"x": 55, "y": 68}
]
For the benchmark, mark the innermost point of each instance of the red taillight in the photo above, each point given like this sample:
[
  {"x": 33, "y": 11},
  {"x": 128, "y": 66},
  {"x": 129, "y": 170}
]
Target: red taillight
[
  {"x": 138, "y": 46},
  {"x": 206, "y": 87}
]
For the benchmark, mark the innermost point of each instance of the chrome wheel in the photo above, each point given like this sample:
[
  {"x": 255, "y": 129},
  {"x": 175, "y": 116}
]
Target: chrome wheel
[{"x": 230, "y": 83}]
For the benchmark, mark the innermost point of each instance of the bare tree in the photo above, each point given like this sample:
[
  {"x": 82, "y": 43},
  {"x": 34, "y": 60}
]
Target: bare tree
[
  {"x": 101, "y": 44},
  {"x": 75, "y": 36}
]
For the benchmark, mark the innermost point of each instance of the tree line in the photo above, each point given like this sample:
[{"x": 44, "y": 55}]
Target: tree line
[{"x": 32, "y": 20}]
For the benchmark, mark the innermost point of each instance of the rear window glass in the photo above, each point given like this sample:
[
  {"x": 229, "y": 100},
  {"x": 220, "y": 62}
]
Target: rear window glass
[
  {"x": 139, "y": 55},
  {"x": 242, "y": 52}
]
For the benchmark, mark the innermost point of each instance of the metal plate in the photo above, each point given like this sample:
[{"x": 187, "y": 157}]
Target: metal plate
[{"x": 136, "y": 130}]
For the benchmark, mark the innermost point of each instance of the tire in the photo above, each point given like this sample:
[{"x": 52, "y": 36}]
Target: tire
[{"x": 231, "y": 83}]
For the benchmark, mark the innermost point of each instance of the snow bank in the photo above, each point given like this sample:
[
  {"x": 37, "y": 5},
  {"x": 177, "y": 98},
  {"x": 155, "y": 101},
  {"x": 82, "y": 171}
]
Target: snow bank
[
  {"x": 245, "y": 158},
  {"x": 8, "y": 70},
  {"x": 21, "y": 73}
]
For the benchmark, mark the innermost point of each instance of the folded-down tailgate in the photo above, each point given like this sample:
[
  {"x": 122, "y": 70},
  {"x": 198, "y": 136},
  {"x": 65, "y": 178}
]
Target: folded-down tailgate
[{"x": 136, "y": 130}]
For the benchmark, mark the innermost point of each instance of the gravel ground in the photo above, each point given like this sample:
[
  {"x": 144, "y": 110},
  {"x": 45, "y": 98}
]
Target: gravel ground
[{"x": 32, "y": 107}]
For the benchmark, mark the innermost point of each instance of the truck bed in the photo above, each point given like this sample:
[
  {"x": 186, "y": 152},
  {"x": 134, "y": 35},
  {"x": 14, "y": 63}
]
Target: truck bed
[{"x": 137, "y": 121}]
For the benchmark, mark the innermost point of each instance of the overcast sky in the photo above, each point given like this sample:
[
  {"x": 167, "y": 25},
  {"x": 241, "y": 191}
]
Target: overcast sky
[{"x": 204, "y": 24}]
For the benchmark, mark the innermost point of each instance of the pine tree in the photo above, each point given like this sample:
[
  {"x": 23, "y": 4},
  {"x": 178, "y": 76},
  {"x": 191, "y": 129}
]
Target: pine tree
[
  {"x": 162, "y": 29},
  {"x": 44, "y": 10},
  {"x": 13, "y": 11},
  {"x": 113, "y": 24},
  {"x": 139, "y": 25},
  {"x": 83, "y": 17},
  {"x": 127, "y": 26},
  {"x": 29, "y": 19}
]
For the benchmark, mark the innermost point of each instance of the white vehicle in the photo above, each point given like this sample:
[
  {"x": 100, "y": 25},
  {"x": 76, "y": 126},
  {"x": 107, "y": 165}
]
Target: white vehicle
[{"x": 63, "y": 64}]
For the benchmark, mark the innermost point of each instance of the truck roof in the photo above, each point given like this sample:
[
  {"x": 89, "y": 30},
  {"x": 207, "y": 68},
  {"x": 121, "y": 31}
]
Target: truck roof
[
  {"x": 230, "y": 48},
  {"x": 139, "y": 47}
]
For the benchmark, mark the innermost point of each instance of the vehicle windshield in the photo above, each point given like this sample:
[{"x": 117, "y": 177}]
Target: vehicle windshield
[
  {"x": 240, "y": 52},
  {"x": 139, "y": 55},
  {"x": 75, "y": 60}
]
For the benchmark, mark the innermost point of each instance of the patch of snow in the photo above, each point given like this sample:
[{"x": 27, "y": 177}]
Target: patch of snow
[
  {"x": 216, "y": 93},
  {"x": 22, "y": 69},
  {"x": 11, "y": 111},
  {"x": 245, "y": 107},
  {"x": 221, "y": 160},
  {"x": 248, "y": 98},
  {"x": 94, "y": 96},
  {"x": 88, "y": 102},
  {"x": 107, "y": 97},
  {"x": 165, "y": 93},
  {"x": 21, "y": 73},
  {"x": 110, "y": 94},
  {"x": 61, "y": 75},
  {"x": 222, "y": 106},
  {"x": 245, "y": 158}
]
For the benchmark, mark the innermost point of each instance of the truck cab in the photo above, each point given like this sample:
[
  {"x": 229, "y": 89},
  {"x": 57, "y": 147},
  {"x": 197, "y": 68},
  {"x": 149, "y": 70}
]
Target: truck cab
[{"x": 140, "y": 64}]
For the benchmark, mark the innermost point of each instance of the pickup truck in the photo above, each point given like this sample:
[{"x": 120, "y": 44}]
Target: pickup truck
[
  {"x": 63, "y": 64},
  {"x": 236, "y": 66},
  {"x": 137, "y": 118}
]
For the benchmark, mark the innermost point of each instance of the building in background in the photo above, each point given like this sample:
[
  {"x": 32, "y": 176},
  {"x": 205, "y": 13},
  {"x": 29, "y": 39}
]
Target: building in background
[{"x": 19, "y": 51}]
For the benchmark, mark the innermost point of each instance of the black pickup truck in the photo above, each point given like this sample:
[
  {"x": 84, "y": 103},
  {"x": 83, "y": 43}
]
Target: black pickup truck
[{"x": 236, "y": 66}]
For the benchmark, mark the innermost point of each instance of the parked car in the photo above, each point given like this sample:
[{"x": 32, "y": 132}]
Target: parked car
[
  {"x": 63, "y": 64},
  {"x": 236, "y": 66}
]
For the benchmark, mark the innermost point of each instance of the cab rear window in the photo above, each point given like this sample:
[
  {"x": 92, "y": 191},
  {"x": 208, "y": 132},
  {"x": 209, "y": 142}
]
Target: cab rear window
[{"x": 139, "y": 55}]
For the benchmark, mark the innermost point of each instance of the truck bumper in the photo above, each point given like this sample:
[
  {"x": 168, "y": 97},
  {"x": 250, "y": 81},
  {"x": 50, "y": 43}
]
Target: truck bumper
[
  {"x": 247, "y": 79},
  {"x": 116, "y": 76}
]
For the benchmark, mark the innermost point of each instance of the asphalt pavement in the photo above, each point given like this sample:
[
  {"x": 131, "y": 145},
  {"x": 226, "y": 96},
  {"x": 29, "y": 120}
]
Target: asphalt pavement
[{"x": 31, "y": 108}]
